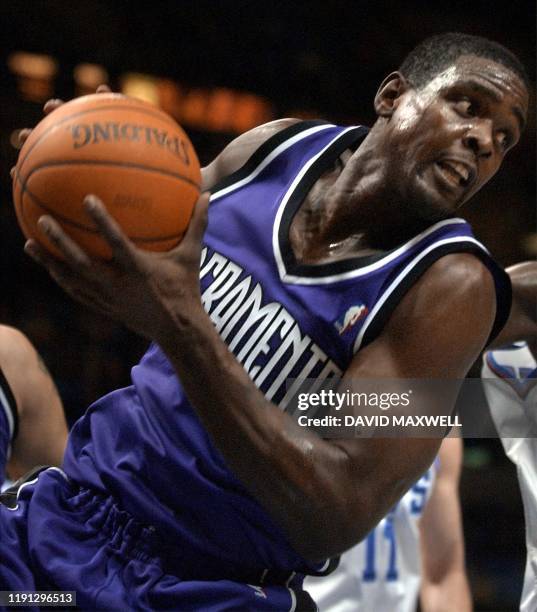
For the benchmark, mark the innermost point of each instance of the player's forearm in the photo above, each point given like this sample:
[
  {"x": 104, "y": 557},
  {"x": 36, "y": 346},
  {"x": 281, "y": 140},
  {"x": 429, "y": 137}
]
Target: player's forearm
[{"x": 449, "y": 594}]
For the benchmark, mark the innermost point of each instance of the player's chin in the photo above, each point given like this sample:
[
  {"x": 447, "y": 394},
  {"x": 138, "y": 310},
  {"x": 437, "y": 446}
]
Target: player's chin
[{"x": 433, "y": 205}]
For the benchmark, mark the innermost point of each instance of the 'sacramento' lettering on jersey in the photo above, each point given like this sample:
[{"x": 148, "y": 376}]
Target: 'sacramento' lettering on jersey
[{"x": 264, "y": 337}]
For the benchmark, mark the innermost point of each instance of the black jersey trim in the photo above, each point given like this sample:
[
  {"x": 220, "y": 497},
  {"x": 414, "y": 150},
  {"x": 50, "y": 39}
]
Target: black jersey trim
[
  {"x": 11, "y": 405},
  {"x": 263, "y": 151},
  {"x": 501, "y": 281},
  {"x": 10, "y": 497},
  {"x": 331, "y": 565},
  {"x": 303, "y": 602},
  {"x": 345, "y": 140}
]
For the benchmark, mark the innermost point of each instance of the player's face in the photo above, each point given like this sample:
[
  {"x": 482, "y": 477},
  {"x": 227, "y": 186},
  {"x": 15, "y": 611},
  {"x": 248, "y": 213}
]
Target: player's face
[{"x": 450, "y": 137}]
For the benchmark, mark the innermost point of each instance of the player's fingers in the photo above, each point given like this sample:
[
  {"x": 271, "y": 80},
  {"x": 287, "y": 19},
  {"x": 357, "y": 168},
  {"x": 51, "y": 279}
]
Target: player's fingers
[
  {"x": 51, "y": 105},
  {"x": 40, "y": 256},
  {"x": 23, "y": 135},
  {"x": 122, "y": 249},
  {"x": 64, "y": 276},
  {"x": 198, "y": 222},
  {"x": 103, "y": 89},
  {"x": 73, "y": 254}
]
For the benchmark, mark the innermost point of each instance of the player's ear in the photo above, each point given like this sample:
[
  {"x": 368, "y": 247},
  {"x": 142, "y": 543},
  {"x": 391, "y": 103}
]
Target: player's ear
[{"x": 389, "y": 93}]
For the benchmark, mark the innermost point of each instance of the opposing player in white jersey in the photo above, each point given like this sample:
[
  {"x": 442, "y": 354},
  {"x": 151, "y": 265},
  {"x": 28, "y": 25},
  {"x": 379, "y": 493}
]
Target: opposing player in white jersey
[
  {"x": 416, "y": 551},
  {"x": 511, "y": 391}
]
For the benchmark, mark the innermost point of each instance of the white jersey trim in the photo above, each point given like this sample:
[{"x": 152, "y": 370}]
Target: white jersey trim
[
  {"x": 323, "y": 280},
  {"x": 9, "y": 416},
  {"x": 33, "y": 481},
  {"x": 400, "y": 277},
  {"x": 272, "y": 155},
  {"x": 293, "y": 600}
]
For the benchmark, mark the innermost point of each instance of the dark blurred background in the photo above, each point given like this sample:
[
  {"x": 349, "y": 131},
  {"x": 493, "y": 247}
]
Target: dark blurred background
[{"x": 221, "y": 67}]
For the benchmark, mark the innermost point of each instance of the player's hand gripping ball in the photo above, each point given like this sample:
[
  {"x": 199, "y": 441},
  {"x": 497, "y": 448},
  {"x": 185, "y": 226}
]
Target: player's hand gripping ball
[{"x": 129, "y": 153}]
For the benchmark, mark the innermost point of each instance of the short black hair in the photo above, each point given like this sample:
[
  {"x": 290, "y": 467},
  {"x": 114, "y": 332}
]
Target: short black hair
[{"x": 435, "y": 54}]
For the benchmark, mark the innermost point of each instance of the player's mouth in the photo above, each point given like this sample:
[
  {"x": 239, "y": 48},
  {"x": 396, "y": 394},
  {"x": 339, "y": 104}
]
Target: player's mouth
[{"x": 455, "y": 174}]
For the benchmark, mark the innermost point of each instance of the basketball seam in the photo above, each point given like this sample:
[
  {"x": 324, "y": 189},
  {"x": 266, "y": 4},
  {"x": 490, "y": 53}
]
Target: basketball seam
[
  {"x": 160, "y": 115},
  {"x": 98, "y": 162},
  {"x": 76, "y": 225}
]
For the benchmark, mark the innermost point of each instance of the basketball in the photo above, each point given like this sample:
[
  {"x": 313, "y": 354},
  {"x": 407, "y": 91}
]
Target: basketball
[{"x": 129, "y": 153}]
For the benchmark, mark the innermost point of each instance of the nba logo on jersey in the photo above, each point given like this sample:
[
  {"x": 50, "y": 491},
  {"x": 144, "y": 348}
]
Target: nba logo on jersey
[{"x": 352, "y": 316}]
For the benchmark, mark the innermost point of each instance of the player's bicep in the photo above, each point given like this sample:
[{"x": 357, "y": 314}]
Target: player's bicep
[{"x": 238, "y": 151}]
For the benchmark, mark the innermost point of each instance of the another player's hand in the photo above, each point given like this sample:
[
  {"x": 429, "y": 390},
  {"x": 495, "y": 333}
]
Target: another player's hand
[
  {"x": 48, "y": 107},
  {"x": 146, "y": 291}
]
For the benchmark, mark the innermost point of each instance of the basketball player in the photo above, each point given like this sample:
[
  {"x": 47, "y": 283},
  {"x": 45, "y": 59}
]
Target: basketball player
[
  {"x": 416, "y": 550},
  {"x": 510, "y": 374},
  {"x": 193, "y": 489},
  {"x": 33, "y": 429}
]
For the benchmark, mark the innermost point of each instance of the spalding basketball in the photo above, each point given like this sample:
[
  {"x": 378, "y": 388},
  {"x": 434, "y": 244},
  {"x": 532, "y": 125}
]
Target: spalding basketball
[{"x": 130, "y": 154}]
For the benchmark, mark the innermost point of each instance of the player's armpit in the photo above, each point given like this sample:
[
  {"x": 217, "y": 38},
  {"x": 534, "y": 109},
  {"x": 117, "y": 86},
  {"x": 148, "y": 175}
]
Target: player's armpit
[{"x": 239, "y": 150}]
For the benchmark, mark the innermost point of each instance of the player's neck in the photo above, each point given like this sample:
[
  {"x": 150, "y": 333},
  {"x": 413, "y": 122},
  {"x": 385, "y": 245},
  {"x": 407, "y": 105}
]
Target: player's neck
[{"x": 367, "y": 218}]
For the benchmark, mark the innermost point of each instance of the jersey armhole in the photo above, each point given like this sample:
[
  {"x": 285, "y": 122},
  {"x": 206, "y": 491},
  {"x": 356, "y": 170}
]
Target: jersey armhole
[{"x": 393, "y": 295}]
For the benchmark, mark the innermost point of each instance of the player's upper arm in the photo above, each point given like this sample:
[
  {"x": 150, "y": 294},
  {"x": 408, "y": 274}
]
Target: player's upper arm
[
  {"x": 42, "y": 429},
  {"x": 436, "y": 332},
  {"x": 16, "y": 356},
  {"x": 238, "y": 151}
]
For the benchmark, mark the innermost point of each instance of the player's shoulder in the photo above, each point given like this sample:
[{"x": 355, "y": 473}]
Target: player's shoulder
[
  {"x": 457, "y": 295},
  {"x": 14, "y": 346},
  {"x": 239, "y": 150},
  {"x": 264, "y": 131},
  {"x": 17, "y": 356},
  {"x": 453, "y": 280},
  {"x": 463, "y": 272}
]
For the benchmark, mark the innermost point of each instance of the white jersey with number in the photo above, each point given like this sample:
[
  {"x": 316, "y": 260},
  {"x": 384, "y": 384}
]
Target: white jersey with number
[
  {"x": 382, "y": 573},
  {"x": 512, "y": 397}
]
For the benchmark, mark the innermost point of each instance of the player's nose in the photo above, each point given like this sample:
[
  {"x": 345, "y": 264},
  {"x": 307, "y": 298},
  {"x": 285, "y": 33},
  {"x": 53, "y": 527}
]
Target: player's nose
[{"x": 479, "y": 139}]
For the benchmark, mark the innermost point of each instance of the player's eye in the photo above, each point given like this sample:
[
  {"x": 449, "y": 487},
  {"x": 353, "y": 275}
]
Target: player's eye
[
  {"x": 503, "y": 140},
  {"x": 466, "y": 107}
]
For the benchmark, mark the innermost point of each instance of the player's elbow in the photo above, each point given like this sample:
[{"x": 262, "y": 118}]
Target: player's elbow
[
  {"x": 341, "y": 516},
  {"x": 336, "y": 531}
]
